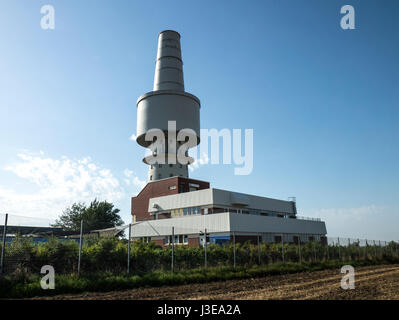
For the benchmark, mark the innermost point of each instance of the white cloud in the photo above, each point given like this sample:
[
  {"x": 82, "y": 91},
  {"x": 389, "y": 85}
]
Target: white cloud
[
  {"x": 58, "y": 183},
  {"x": 131, "y": 179},
  {"x": 202, "y": 160},
  {"x": 133, "y": 137},
  {"x": 128, "y": 173}
]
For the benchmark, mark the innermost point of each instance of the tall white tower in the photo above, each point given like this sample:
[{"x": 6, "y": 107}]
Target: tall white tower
[{"x": 167, "y": 102}]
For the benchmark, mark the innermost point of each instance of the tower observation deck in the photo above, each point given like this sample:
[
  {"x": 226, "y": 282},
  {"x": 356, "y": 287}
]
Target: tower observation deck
[{"x": 170, "y": 109}]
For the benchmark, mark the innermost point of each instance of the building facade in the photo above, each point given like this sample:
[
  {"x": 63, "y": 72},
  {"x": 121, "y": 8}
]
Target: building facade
[
  {"x": 187, "y": 209},
  {"x": 172, "y": 208}
]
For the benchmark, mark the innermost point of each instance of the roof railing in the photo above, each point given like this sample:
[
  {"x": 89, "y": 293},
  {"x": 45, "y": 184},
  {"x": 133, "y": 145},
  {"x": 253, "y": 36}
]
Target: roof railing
[{"x": 296, "y": 217}]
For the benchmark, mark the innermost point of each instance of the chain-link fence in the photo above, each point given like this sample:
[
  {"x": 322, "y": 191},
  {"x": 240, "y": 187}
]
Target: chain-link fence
[
  {"x": 31, "y": 243},
  {"x": 21, "y": 241}
]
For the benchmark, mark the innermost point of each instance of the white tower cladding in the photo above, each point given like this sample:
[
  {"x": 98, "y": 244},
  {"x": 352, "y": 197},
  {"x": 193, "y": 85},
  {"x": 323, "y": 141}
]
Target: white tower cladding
[{"x": 168, "y": 109}]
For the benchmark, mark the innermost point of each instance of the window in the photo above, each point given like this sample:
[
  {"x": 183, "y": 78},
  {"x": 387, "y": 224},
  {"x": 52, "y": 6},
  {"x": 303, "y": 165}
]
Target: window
[
  {"x": 171, "y": 175},
  {"x": 171, "y": 165},
  {"x": 180, "y": 239},
  {"x": 254, "y": 212},
  {"x": 159, "y": 176},
  {"x": 146, "y": 239},
  {"x": 150, "y": 177},
  {"x": 176, "y": 212},
  {"x": 180, "y": 166},
  {"x": 160, "y": 165}
]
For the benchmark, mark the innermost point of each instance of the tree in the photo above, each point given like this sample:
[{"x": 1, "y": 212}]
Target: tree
[{"x": 99, "y": 215}]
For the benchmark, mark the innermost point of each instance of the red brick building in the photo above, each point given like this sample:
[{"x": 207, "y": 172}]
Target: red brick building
[{"x": 160, "y": 188}]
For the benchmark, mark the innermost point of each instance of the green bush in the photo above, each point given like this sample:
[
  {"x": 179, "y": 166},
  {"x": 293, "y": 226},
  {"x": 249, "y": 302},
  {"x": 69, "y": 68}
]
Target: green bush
[{"x": 23, "y": 257}]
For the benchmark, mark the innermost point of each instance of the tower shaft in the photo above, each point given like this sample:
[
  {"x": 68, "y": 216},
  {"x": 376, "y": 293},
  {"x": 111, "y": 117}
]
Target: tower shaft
[{"x": 167, "y": 102}]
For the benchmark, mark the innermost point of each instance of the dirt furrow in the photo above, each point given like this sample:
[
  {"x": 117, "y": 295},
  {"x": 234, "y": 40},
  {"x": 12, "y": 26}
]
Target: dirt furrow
[
  {"x": 373, "y": 282},
  {"x": 360, "y": 282},
  {"x": 291, "y": 290}
]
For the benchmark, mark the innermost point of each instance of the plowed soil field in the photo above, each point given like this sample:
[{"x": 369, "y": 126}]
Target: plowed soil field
[{"x": 375, "y": 282}]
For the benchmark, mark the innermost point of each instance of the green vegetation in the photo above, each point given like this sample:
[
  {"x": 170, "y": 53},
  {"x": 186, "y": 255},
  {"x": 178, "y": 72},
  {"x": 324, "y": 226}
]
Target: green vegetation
[
  {"x": 98, "y": 215},
  {"x": 29, "y": 286},
  {"x": 110, "y": 255},
  {"x": 104, "y": 263}
]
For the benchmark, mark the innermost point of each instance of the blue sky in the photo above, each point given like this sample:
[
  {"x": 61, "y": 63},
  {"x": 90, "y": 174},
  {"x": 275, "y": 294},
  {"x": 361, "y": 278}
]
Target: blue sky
[{"x": 322, "y": 101}]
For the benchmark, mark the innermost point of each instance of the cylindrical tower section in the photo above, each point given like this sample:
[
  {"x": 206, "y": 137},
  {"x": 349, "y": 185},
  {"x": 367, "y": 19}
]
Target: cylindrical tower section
[
  {"x": 168, "y": 104},
  {"x": 169, "y": 64}
]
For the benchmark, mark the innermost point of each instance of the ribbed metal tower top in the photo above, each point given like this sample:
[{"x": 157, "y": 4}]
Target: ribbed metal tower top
[{"x": 169, "y": 64}]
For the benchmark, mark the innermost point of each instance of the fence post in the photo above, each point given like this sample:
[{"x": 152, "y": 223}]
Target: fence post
[
  {"x": 339, "y": 249},
  {"x": 282, "y": 247},
  {"x": 299, "y": 246},
  {"x": 128, "y": 249},
  {"x": 234, "y": 249},
  {"x": 258, "y": 249},
  {"x": 206, "y": 257},
  {"x": 333, "y": 249},
  {"x": 349, "y": 249},
  {"x": 314, "y": 250},
  {"x": 173, "y": 249},
  {"x": 80, "y": 245},
  {"x": 375, "y": 250},
  {"x": 379, "y": 244},
  {"x": 4, "y": 244},
  {"x": 358, "y": 244},
  {"x": 328, "y": 250},
  {"x": 366, "y": 253}
]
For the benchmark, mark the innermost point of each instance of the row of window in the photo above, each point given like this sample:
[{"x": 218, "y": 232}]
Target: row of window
[
  {"x": 170, "y": 175},
  {"x": 180, "y": 239},
  {"x": 255, "y": 212},
  {"x": 185, "y": 211},
  {"x": 183, "y": 239},
  {"x": 197, "y": 210},
  {"x": 170, "y": 166}
]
